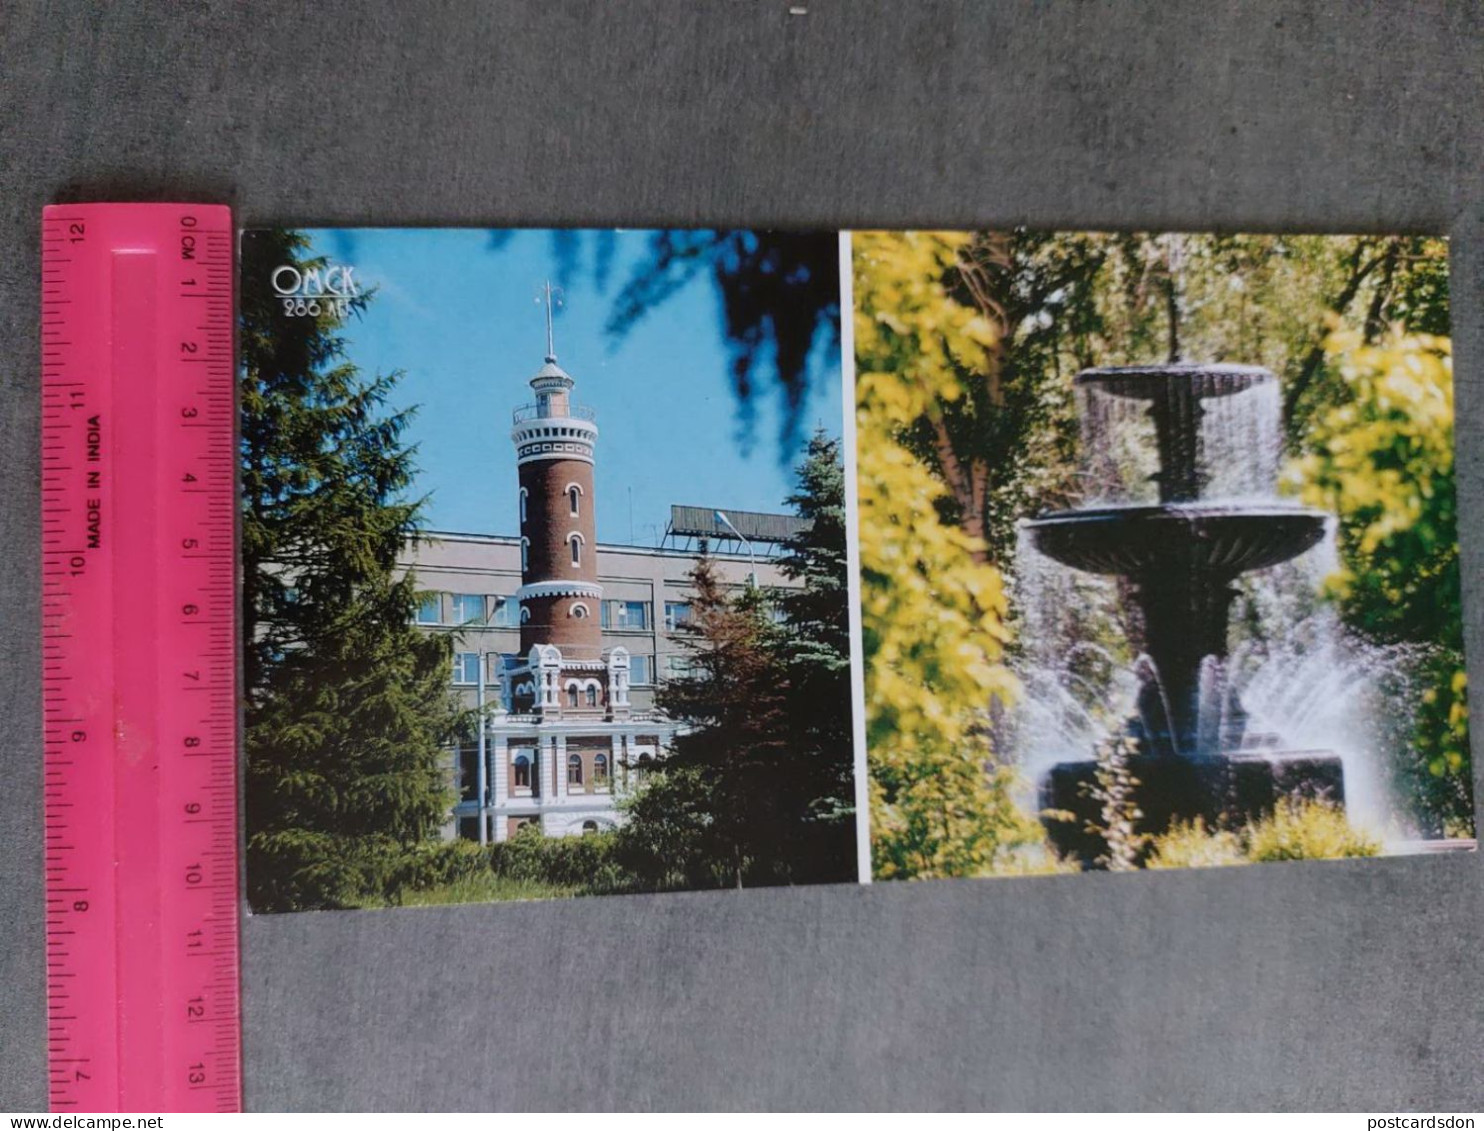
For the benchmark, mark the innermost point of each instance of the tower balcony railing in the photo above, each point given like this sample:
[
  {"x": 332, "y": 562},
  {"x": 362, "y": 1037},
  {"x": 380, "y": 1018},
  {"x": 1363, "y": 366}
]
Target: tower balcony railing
[{"x": 533, "y": 412}]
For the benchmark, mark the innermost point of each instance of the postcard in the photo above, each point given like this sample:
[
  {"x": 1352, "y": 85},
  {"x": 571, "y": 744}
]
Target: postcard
[
  {"x": 568, "y": 572},
  {"x": 544, "y": 565},
  {"x": 1158, "y": 550}
]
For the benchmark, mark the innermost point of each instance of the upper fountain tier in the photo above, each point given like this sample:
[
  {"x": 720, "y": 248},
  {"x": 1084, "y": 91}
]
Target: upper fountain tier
[
  {"x": 1175, "y": 380},
  {"x": 1179, "y": 541},
  {"x": 1183, "y": 554},
  {"x": 1173, "y": 398},
  {"x": 1186, "y": 538}
]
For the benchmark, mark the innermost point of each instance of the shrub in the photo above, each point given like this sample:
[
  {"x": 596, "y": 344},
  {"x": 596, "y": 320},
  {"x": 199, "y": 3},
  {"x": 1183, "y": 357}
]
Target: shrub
[
  {"x": 439, "y": 865},
  {"x": 584, "y": 862},
  {"x": 1296, "y": 830},
  {"x": 528, "y": 866},
  {"x": 1033, "y": 860},
  {"x": 1306, "y": 830},
  {"x": 1192, "y": 845}
]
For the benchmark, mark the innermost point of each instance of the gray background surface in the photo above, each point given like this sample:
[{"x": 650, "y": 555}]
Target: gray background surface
[{"x": 1350, "y": 985}]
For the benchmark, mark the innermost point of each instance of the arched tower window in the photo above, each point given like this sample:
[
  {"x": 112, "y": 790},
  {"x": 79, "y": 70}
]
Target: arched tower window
[
  {"x": 574, "y": 499},
  {"x": 525, "y": 614},
  {"x": 525, "y": 549},
  {"x": 579, "y": 610},
  {"x": 592, "y": 695},
  {"x": 572, "y": 694},
  {"x": 575, "y": 541},
  {"x": 574, "y": 769},
  {"x": 525, "y": 498}
]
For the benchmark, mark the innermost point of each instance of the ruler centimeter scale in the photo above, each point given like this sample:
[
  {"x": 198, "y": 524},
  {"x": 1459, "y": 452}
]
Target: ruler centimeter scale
[{"x": 138, "y": 628}]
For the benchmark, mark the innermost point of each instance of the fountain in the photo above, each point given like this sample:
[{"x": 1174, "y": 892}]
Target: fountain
[{"x": 1178, "y": 560}]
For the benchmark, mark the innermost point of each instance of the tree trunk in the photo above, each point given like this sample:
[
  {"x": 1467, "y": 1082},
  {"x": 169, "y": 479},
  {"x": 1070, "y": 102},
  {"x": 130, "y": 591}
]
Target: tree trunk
[{"x": 1359, "y": 271}]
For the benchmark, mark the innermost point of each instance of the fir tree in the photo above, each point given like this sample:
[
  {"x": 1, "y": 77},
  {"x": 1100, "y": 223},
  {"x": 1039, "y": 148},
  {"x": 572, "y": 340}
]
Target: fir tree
[
  {"x": 348, "y": 704},
  {"x": 708, "y": 812},
  {"x": 756, "y": 788},
  {"x": 816, "y": 656}
]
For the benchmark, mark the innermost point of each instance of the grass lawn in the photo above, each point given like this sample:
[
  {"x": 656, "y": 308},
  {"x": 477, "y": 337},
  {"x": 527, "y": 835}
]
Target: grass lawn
[{"x": 488, "y": 888}]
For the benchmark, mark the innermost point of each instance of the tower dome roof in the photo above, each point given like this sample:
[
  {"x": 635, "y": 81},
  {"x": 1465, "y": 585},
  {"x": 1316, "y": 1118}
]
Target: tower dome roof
[{"x": 551, "y": 376}]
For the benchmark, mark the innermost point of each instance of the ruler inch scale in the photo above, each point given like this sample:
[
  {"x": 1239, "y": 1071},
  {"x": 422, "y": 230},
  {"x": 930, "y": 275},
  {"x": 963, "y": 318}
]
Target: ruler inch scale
[{"x": 138, "y": 614}]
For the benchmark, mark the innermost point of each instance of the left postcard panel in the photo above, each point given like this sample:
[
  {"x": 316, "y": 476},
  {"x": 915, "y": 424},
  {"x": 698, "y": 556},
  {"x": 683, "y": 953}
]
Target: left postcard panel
[{"x": 544, "y": 565}]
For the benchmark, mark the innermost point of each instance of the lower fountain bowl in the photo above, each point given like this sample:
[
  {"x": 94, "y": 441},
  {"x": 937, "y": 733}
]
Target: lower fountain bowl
[
  {"x": 1174, "y": 539},
  {"x": 1236, "y": 788}
]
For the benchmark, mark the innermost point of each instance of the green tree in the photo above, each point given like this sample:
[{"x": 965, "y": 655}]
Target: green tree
[
  {"x": 348, "y": 704},
  {"x": 713, "y": 810},
  {"x": 759, "y": 786},
  {"x": 933, "y": 610},
  {"x": 1383, "y": 461},
  {"x": 816, "y": 660},
  {"x": 1001, "y": 433}
]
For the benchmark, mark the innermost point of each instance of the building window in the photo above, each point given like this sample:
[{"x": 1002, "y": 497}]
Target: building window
[
  {"x": 522, "y": 773},
  {"x": 575, "y": 540},
  {"x": 600, "y": 772},
  {"x": 626, "y": 614},
  {"x": 574, "y": 769},
  {"x": 677, "y": 613},
  {"x": 430, "y": 608},
  {"x": 592, "y": 695},
  {"x": 543, "y": 404},
  {"x": 466, "y": 667},
  {"x": 525, "y": 498},
  {"x": 507, "y": 612},
  {"x": 574, "y": 499},
  {"x": 677, "y": 667},
  {"x": 589, "y": 827},
  {"x": 579, "y": 611},
  {"x": 572, "y": 694},
  {"x": 525, "y": 554},
  {"x": 468, "y": 608},
  {"x": 641, "y": 670},
  {"x": 466, "y": 757}
]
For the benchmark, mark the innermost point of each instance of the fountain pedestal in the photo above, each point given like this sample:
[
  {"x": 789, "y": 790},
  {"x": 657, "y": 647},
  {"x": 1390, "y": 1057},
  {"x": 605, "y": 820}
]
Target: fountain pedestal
[
  {"x": 1232, "y": 789},
  {"x": 1182, "y": 558}
]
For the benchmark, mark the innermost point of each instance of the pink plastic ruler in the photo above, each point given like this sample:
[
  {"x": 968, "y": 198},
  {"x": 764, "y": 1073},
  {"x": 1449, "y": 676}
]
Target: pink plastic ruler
[{"x": 138, "y": 608}]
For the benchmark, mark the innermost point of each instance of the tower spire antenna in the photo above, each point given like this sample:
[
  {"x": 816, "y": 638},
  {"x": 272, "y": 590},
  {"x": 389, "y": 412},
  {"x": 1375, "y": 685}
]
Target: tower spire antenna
[{"x": 550, "y": 337}]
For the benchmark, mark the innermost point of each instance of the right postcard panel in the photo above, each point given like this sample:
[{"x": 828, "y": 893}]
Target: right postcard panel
[{"x": 1158, "y": 550}]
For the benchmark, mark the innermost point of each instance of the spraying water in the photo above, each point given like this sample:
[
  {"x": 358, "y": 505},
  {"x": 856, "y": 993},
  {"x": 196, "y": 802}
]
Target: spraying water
[{"x": 1183, "y": 608}]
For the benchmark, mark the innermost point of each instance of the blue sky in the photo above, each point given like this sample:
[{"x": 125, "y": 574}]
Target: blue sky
[{"x": 459, "y": 315}]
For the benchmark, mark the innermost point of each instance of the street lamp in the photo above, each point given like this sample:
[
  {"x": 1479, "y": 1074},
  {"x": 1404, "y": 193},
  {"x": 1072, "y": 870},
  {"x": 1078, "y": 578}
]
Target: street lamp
[{"x": 751, "y": 557}]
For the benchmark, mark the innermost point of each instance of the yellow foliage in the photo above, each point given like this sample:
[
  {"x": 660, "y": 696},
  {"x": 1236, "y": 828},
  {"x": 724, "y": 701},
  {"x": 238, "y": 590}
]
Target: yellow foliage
[
  {"x": 1389, "y": 449},
  {"x": 934, "y": 618},
  {"x": 1192, "y": 845},
  {"x": 1382, "y": 460},
  {"x": 1308, "y": 830},
  {"x": 1295, "y": 830}
]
